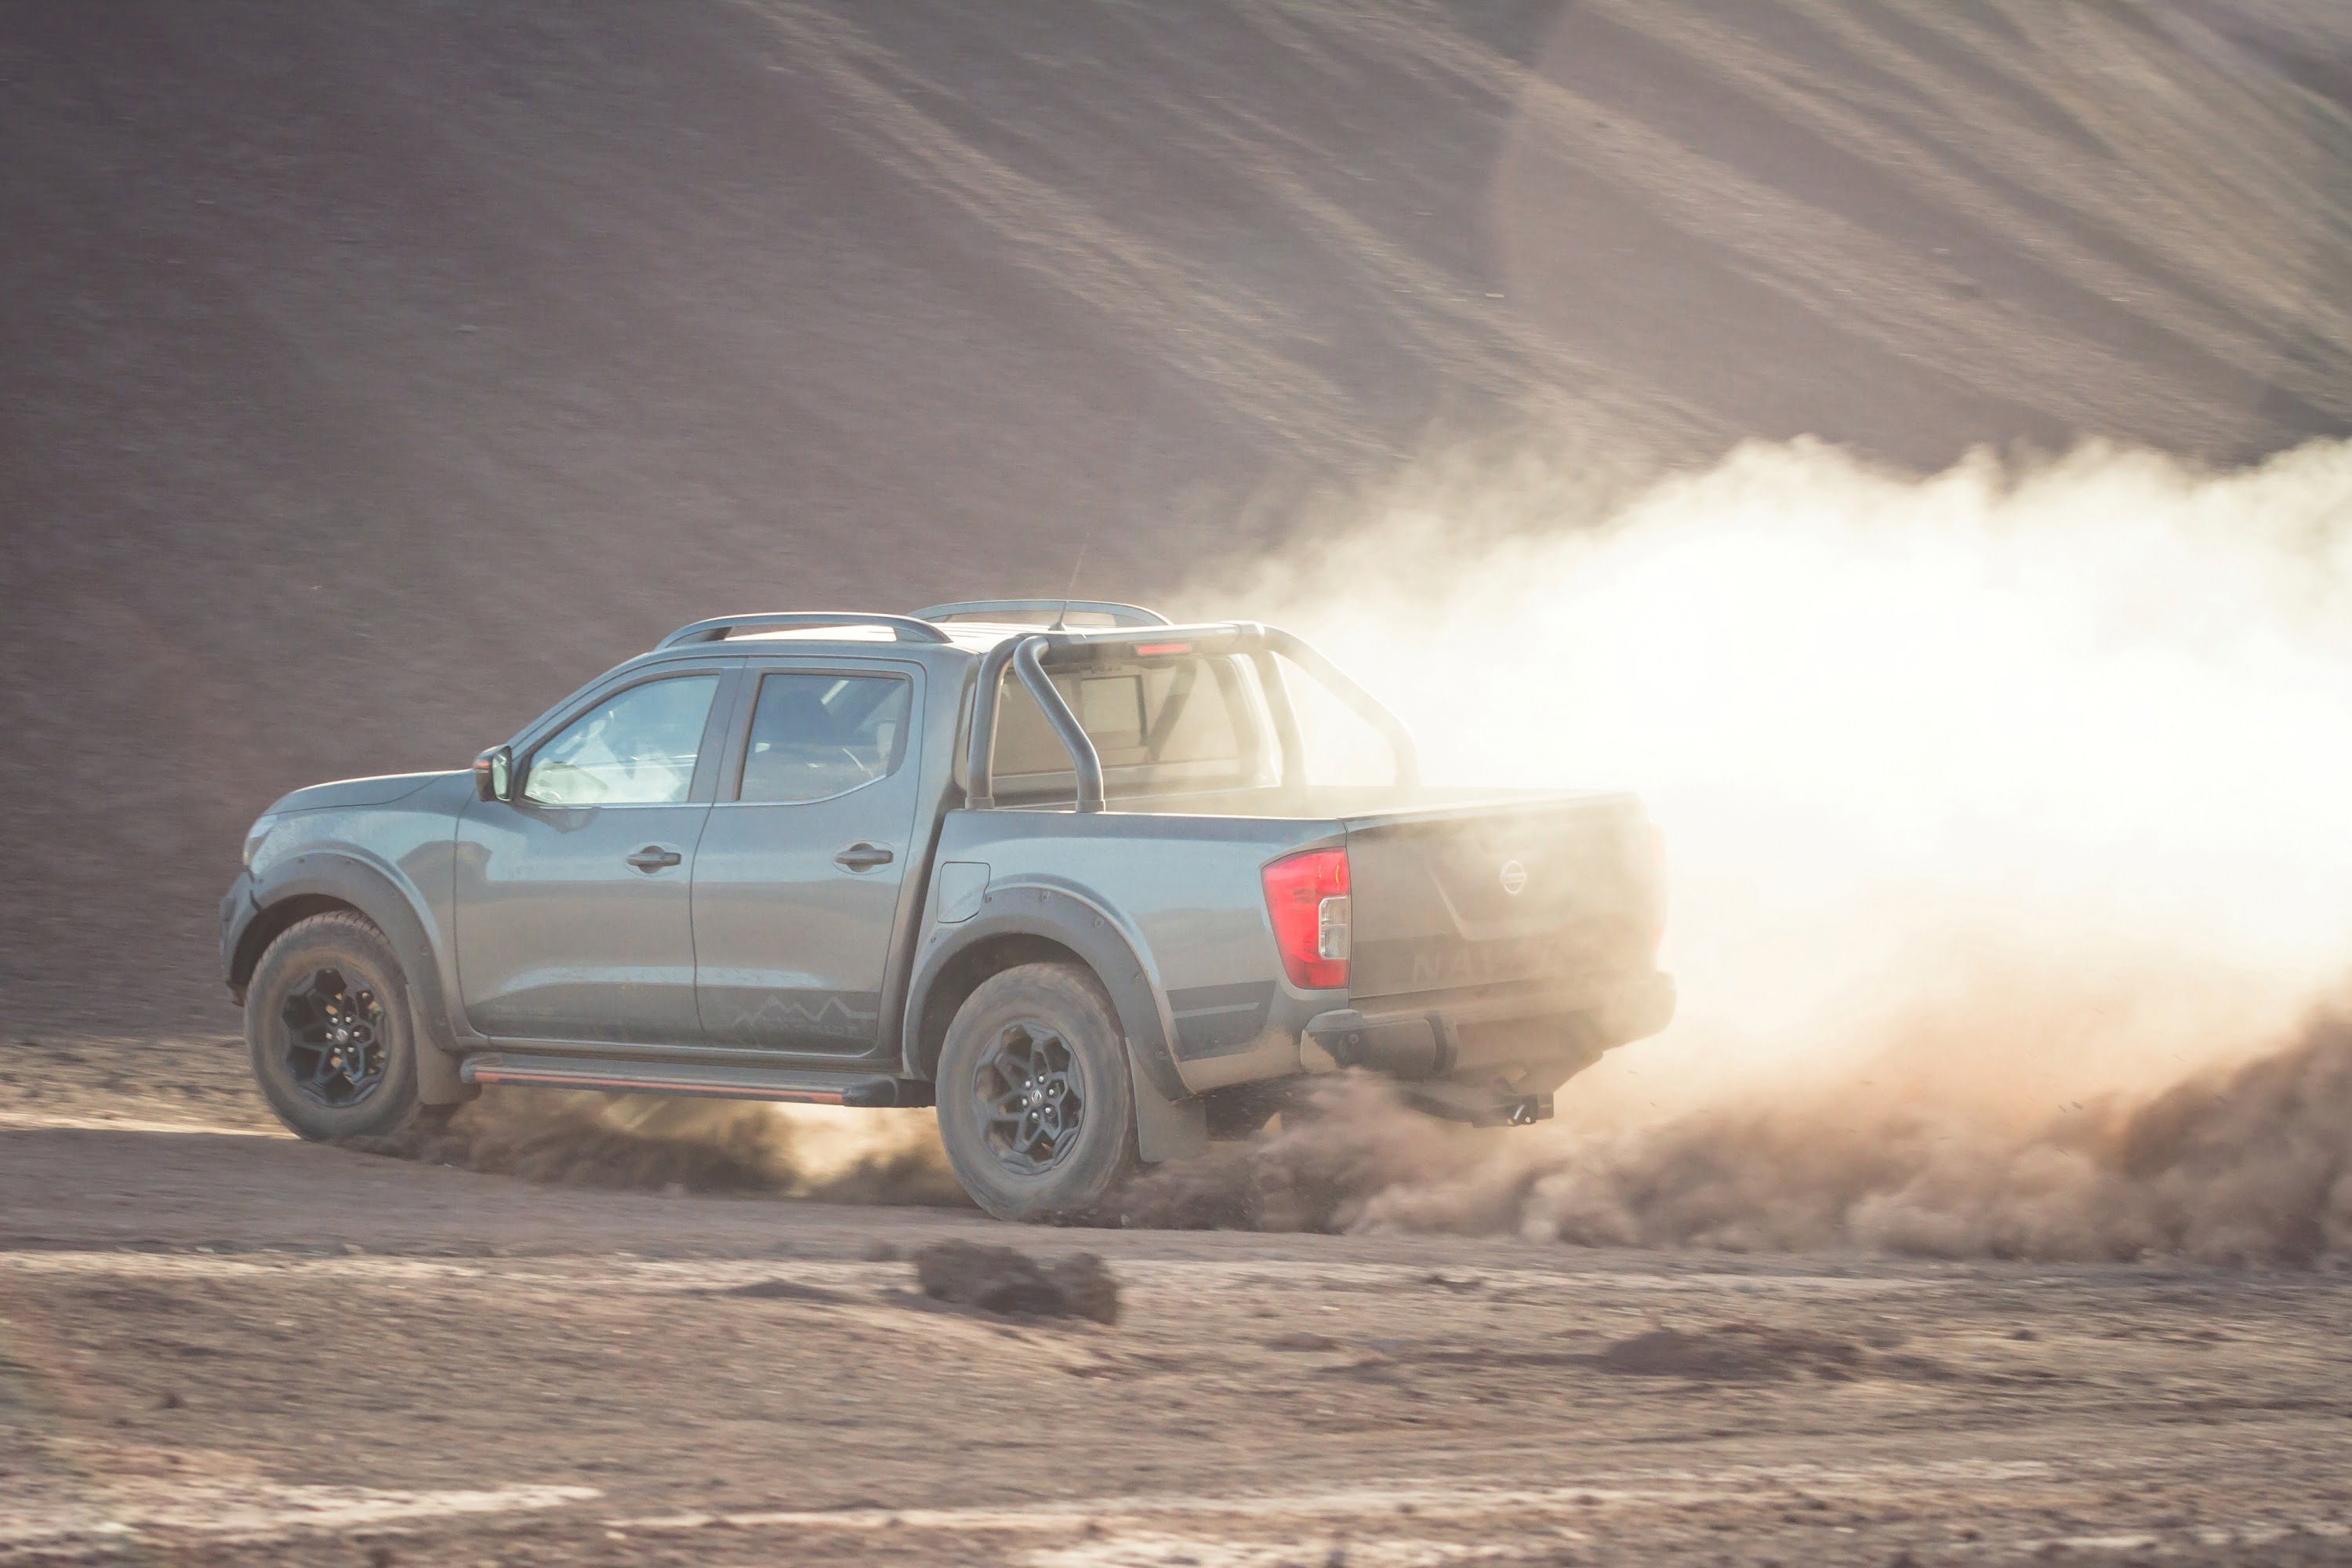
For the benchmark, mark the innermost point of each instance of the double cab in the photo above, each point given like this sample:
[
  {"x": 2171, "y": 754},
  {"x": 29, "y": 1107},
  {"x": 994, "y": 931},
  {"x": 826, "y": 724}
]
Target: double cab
[{"x": 1059, "y": 868}]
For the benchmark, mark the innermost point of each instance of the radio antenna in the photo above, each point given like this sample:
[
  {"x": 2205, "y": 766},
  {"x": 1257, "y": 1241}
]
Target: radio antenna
[{"x": 1070, "y": 588}]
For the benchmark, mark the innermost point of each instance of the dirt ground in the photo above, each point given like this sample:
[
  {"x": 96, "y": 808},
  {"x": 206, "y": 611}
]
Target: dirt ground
[
  {"x": 370, "y": 374},
  {"x": 218, "y": 1344}
]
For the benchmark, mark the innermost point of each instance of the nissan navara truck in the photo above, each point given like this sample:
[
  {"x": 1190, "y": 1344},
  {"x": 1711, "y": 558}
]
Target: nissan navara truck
[{"x": 1057, "y": 869}]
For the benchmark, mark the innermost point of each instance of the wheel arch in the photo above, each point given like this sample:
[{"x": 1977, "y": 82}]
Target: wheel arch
[
  {"x": 963, "y": 972},
  {"x": 1041, "y": 924},
  {"x": 274, "y": 921},
  {"x": 314, "y": 884}
]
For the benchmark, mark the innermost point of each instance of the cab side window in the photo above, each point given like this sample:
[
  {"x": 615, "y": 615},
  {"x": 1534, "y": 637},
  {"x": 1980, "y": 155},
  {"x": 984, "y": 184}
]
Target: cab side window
[
  {"x": 636, "y": 748},
  {"x": 814, "y": 735}
]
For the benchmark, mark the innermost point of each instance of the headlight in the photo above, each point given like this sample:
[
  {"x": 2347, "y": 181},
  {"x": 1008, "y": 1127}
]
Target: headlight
[{"x": 254, "y": 835}]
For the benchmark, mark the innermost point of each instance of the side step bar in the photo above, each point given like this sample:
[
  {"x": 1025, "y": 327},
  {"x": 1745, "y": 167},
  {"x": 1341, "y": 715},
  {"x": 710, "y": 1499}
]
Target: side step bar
[{"x": 796, "y": 1086}]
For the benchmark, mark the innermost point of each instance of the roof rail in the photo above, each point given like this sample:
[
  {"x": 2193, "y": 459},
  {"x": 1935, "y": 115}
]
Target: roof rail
[
  {"x": 903, "y": 629},
  {"x": 982, "y": 609}
]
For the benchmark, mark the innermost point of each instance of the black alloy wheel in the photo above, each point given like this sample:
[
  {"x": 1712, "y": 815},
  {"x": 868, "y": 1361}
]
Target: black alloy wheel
[
  {"x": 328, "y": 1027},
  {"x": 1036, "y": 1101},
  {"x": 1033, "y": 1097},
  {"x": 334, "y": 1048}
]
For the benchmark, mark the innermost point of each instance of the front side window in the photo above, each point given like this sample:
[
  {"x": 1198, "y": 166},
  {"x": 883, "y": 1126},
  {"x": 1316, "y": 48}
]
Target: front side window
[
  {"x": 636, "y": 748},
  {"x": 816, "y": 735}
]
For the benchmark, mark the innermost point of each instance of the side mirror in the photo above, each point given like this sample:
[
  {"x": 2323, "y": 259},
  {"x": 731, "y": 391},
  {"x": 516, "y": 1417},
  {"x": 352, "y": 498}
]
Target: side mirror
[{"x": 494, "y": 773}]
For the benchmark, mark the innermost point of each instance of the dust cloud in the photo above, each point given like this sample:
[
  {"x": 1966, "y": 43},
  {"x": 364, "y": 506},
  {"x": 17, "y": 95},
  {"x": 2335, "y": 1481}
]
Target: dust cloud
[
  {"x": 2240, "y": 1165},
  {"x": 570, "y": 1138},
  {"x": 1350, "y": 1145},
  {"x": 2010, "y": 817}
]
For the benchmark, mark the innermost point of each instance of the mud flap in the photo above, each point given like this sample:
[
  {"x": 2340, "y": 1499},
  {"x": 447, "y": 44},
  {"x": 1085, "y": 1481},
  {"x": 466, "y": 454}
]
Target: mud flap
[
  {"x": 438, "y": 1082},
  {"x": 1165, "y": 1129}
]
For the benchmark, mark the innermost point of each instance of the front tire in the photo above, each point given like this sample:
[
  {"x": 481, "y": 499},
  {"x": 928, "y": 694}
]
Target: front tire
[
  {"x": 1035, "y": 1107},
  {"x": 326, "y": 1020}
]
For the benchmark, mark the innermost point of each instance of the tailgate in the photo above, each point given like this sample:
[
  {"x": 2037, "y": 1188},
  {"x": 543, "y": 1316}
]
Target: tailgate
[{"x": 1454, "y": 900}]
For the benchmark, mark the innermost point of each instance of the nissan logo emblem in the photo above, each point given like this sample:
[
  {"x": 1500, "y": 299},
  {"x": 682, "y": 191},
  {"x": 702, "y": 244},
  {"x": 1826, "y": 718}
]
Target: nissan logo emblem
[{"x": 1514, "y": 877}]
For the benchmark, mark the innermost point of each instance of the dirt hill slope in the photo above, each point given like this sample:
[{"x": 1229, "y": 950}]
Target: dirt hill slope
[{"x": 372, "y": 372}]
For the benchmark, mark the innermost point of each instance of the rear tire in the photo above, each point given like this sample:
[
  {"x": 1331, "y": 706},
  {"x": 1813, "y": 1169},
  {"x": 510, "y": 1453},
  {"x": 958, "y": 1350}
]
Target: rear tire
[
  {"x": 1035, "y": 1107},
  {"x": 326, "y": 1020}
]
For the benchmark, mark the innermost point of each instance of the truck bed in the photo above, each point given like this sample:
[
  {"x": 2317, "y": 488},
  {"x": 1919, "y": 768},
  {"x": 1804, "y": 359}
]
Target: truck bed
[
  {"x": 1460, "y": 895},
  {"x": 1324, "y": 802}
]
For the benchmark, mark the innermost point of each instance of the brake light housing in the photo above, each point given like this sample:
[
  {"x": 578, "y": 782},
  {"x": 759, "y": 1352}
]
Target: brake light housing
[{"x": 1314, "y": 927}]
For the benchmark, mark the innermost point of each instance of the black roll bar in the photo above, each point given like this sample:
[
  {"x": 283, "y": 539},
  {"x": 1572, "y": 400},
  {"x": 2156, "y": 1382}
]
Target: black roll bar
[
  {"x": 1285, "y": 717},
  {"x": 1027, "y": 655},
  {"x": 1342, "y": 685},
  {"x": 1028, "y": 664},
  {"x": 980, "y": 745}
]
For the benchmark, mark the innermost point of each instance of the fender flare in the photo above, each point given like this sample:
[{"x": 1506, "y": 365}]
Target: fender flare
[
  {"x": 377, "y": 895},
  {"x": 1170, "y": 1121}
]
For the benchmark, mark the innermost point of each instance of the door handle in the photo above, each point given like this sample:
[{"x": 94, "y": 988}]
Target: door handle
[
  {"x": 864, "y": 856},
  {"x": 653, "y": 858}
]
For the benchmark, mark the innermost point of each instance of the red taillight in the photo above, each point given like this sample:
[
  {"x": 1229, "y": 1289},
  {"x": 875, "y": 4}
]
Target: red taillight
[{"x": 1306, "y": 895}]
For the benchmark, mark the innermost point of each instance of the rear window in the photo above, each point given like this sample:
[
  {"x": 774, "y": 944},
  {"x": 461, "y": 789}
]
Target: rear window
[
  {"x": 1159, "y": 728},
  {"x": 816, "y": 735}
]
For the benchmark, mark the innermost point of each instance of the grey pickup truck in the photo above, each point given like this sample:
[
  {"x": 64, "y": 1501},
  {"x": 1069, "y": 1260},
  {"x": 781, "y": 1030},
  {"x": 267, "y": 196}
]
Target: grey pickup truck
[{"x": 1057, "y": 869}]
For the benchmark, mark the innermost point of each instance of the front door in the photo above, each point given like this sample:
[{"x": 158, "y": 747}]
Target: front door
[
  {"x": 574, "y": 901},
  {"x": 801, "y": 867}
]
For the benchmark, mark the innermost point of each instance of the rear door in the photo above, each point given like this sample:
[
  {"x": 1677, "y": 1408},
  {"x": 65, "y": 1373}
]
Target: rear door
[
  {"x": 808, "y": 857},
  {"x": 573, "y": 913},
  {"x": 1478, "y": 898}
]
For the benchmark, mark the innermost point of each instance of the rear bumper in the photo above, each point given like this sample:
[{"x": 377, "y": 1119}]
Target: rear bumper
[{"x": 1434, "y": 1041}]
